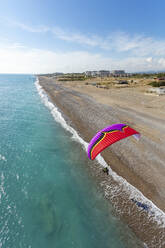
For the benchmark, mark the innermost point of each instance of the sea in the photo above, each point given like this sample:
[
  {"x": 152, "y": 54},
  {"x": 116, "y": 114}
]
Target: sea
[{"x": 48, "y": 197}]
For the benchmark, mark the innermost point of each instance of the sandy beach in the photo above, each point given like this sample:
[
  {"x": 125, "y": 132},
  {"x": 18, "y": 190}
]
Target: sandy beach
[{"x": 141, "y": 163}]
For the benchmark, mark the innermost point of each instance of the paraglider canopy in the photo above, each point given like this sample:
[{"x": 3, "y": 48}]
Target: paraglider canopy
[{"x": 108, "y": 136}]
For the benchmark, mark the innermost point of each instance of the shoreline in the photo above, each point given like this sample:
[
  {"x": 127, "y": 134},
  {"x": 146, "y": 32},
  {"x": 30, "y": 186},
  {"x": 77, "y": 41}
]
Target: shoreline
[{"x": 78, "y": 109}]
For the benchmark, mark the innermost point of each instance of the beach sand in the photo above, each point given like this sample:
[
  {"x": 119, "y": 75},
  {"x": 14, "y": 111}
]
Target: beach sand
[{"x": 141, "y": 163}]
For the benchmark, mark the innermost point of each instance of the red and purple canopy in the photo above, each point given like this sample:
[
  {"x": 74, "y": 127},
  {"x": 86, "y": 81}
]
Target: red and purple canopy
[{"x": 108, "y": 136}]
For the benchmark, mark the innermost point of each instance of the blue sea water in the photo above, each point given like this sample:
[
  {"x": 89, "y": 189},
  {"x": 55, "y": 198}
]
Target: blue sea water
[{"x": 47, "y": 197}]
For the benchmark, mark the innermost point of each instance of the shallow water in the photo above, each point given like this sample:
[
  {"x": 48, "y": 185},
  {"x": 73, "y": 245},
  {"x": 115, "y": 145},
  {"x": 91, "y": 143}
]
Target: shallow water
[{"x": 47, "y": 197}]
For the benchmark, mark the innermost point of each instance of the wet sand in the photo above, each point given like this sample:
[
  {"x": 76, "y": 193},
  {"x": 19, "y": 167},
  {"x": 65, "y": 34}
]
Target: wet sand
[{"x": 89, "y": 109}]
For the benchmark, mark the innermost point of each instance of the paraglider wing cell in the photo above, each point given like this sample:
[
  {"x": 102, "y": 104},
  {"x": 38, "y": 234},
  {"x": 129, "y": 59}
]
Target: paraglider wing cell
[{"x": 108, "y": 136}]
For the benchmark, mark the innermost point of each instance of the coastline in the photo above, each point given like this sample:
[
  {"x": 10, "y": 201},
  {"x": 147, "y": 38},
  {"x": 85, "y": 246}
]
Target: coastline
[{"x": 82, "y": 112}]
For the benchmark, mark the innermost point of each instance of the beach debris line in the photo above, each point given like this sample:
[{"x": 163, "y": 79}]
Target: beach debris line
[
  {"x": 141, "y": 205},
  {"x": 108, "y": 136}
]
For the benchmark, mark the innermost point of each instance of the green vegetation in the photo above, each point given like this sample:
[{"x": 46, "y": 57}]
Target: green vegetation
[
  {"x": 157, "y": 84},
  {"x": 143, "y": 75},
  {"x": 149, "y": 75},
  {"x": 160, "y": 75},
  {"x": 72, "y": 79}
]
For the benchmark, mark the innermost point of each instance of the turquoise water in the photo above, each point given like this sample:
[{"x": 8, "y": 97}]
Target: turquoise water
[{"x": 47, "y": 197}]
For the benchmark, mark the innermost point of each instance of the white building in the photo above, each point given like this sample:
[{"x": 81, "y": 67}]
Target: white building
[
  {"x": 118, "y": 72},
  {"x": 101, "y": 73}
]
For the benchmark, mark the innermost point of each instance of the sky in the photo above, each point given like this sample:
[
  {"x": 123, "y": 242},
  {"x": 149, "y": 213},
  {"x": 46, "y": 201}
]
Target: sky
[{"x": 46, "y": 36}]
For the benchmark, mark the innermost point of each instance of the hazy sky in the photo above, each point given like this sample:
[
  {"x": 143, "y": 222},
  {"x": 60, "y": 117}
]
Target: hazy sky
[{"x": 77, "y": 35}]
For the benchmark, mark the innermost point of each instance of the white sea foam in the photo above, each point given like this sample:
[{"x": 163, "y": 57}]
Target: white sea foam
[
  {"x": 3, "y": 158},
  {"x": 155, "y": 212},
  {"x": 2, "y": 190}
]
